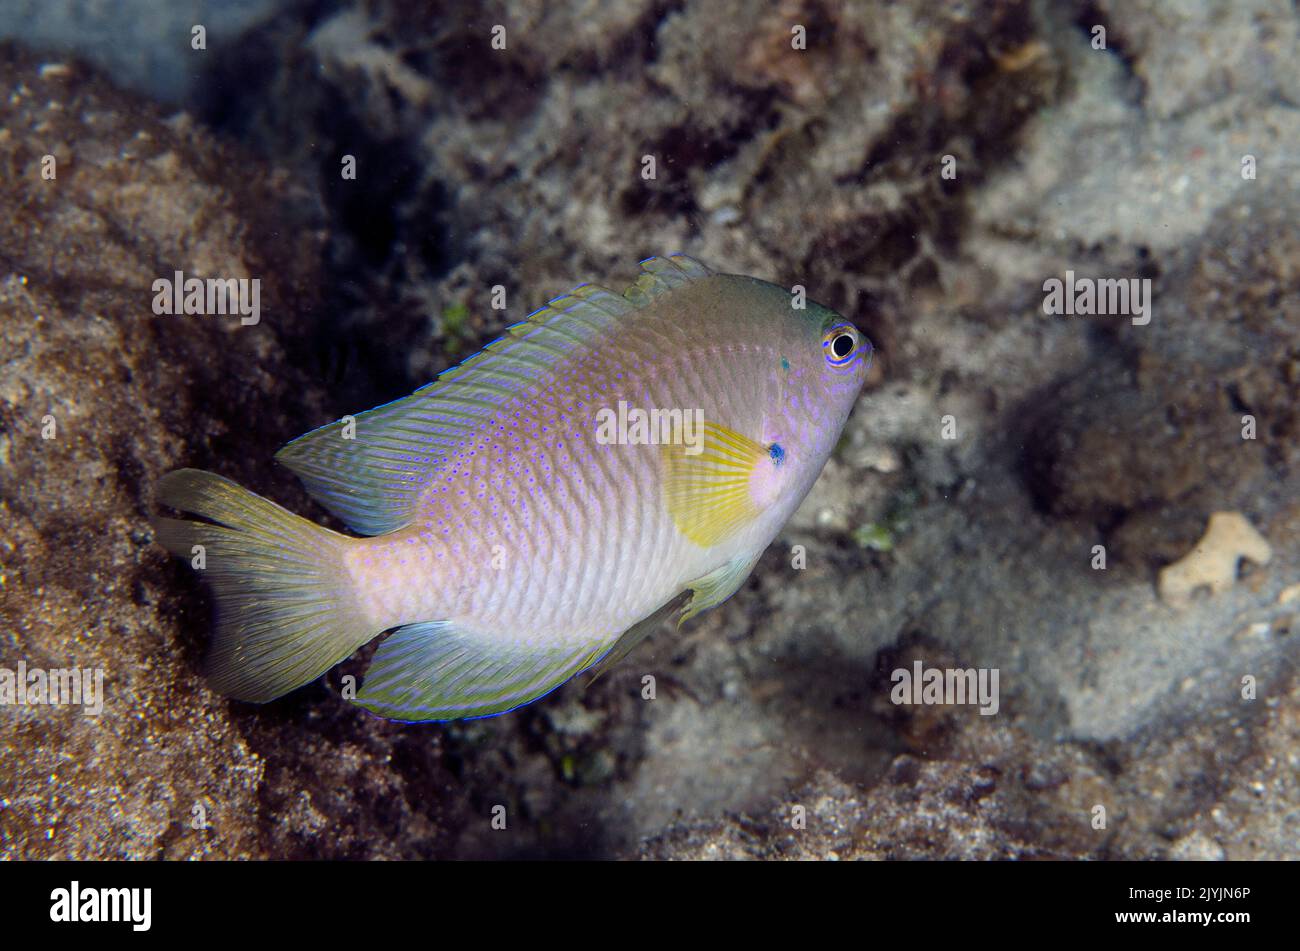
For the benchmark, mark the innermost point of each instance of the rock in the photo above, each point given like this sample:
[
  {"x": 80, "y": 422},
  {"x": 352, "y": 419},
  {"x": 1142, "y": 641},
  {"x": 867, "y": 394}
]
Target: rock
[
  {"x": 123, "y": 395},
  {"x": 994, "y": 792},
  {"x": 142, "y": 45},
  {"x": 168, "y": 770}
]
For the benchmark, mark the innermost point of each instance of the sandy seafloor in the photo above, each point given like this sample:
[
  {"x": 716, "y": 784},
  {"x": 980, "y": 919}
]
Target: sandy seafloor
[{"x": 521, "y": 167}]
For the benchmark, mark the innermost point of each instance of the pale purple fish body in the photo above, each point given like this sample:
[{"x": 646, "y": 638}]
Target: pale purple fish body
[{"x": 538, "y": 507}]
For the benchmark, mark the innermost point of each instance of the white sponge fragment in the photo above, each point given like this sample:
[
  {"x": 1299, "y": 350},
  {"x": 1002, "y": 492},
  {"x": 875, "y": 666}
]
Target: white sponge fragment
[{"x": 1213, "y": 561}]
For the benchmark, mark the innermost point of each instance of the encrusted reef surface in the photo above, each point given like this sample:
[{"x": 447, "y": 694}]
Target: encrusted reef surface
[{"x": 999, "y": 457}]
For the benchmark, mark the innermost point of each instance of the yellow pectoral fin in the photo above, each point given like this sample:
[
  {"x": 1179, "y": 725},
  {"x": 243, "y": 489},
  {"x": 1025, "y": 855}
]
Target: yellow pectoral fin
[{"x": 713, "y": 488}]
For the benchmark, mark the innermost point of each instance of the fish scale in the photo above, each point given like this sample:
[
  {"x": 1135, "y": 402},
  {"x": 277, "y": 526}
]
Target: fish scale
[{"x": 503, "y": 536}]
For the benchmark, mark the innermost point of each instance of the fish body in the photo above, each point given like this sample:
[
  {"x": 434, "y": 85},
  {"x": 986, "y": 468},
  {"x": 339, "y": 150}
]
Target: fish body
[{"x": 538, "y": 507}]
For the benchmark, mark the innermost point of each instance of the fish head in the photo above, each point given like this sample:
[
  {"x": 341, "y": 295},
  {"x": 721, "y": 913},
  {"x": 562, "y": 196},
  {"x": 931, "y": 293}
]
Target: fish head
[
  {"x": 835, "y": 356},
  {"x": 819, "y": 363}
]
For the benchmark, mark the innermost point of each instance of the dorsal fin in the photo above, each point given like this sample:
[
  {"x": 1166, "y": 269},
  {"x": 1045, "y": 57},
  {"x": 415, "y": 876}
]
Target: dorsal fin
[
  {"x": 663, "y": 274},
  {"x": 372, "y": 471}
]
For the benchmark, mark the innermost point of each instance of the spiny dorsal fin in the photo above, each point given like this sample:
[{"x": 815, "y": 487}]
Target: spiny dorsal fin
[
  {"x": 374, "y": 480},
  {"x": 663, "y": 274}
]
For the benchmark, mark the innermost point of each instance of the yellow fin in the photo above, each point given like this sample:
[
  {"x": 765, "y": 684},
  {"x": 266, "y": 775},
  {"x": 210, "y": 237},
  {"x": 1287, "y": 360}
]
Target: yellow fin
[{"x": 710, "y": 493}]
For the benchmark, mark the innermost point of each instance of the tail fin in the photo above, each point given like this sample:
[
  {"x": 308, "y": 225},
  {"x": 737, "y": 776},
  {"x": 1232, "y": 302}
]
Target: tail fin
[{"x": 286, "y": 609}]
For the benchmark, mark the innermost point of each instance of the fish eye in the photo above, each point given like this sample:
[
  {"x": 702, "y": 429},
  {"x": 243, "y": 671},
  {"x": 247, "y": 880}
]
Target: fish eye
[{"x": 840, "y": 343}]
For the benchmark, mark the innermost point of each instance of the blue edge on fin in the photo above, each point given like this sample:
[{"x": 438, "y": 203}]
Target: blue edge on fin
[{"x": 499, "y": 713}]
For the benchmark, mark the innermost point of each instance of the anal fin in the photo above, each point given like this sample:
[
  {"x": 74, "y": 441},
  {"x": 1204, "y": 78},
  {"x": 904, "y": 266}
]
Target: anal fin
[{"x": 436, "y": 671}]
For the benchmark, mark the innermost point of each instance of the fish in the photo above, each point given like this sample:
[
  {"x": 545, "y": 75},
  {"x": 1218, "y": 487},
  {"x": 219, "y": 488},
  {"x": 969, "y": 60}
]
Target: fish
[{"x": 539, "y": 508}]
